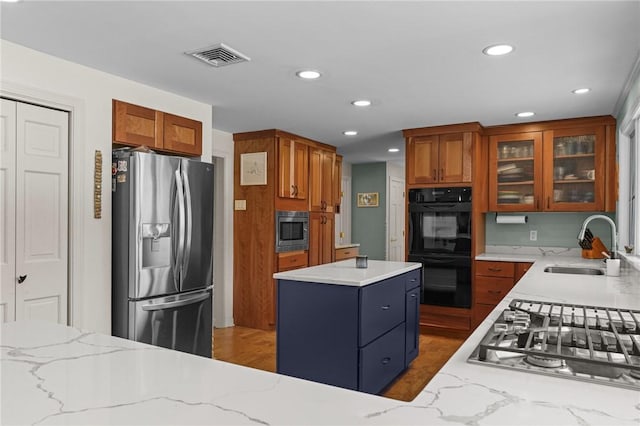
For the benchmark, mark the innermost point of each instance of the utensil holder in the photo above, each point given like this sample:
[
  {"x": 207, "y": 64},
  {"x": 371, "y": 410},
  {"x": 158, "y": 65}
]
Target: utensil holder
[{"x": 597, "y": 247}]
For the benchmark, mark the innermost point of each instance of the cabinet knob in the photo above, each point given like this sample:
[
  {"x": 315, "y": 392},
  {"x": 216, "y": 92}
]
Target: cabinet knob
[{"x": 21, "y": 279}]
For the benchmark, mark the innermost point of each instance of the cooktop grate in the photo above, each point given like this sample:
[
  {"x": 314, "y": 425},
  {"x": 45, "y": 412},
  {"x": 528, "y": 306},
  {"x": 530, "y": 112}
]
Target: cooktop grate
[{"x": 591, "y": 343}]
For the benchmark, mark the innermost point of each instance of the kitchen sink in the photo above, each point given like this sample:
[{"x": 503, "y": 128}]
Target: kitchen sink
[{"x": 580, "y": 270}]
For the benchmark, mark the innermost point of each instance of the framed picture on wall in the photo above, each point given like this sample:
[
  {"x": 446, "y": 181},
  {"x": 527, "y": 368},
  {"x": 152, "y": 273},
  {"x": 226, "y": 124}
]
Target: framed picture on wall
[
  {"x": 367, "y": 199},
  {"x": 253, "y": 168}
]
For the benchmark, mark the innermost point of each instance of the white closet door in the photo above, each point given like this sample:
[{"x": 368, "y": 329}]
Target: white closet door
[
  {"x": 41, "y": 213},
  {"x": 7, "y": 210},
  {"x": 396, "y": 219}
]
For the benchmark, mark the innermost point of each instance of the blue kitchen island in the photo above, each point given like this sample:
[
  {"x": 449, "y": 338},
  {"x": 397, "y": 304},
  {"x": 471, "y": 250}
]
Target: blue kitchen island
[{"x": 355, "y": 328}]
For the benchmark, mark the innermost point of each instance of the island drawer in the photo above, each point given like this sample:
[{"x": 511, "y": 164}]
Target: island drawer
[
  {"x": 382, "y": 360},
  {"x": 412, "y": 279},
  {"x": 381, "y": 308},
  {"x": 495, "y": 269},
  {"x": 491, "y": 290}
]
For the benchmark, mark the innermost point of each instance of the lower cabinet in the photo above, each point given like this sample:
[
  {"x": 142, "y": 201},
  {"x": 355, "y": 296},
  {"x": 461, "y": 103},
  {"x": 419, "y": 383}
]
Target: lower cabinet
[
  {"x": 321, "y": 238},
  {"x": 346, "y": 253},
  {"x": 492, "y": 281},
  {"x": 358, "y": 338}
]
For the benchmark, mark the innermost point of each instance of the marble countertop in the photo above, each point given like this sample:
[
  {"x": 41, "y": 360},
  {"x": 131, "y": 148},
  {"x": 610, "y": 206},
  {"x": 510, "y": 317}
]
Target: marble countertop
[
  {"x": 346, "y": 273},
  {"x": 53, "y": 374}
]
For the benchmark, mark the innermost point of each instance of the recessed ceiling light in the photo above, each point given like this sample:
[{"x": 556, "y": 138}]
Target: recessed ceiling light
[
  {"x": 497, "y": 49},
  {"x": 361, "y": 103},
  {"x": 393, "y": 149},
  {"x": 308, "y": 74},
  {"x": 525, "y": 114},
  {"x": 10, "y": 1},
  {"x": 581, "y": 91},
  {"x": 350, "y": 133}
]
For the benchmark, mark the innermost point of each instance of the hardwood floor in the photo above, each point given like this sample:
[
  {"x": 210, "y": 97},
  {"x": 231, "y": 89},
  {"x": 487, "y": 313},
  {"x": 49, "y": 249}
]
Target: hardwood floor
[{"x": 257, "y": 349}]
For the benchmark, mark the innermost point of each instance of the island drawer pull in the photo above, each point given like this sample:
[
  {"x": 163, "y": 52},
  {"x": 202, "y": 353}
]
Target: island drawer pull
[
  {"x": 386, "y": 360},
  {"x": 414, "y": 295},
  {"x": 386, "y": 307}
]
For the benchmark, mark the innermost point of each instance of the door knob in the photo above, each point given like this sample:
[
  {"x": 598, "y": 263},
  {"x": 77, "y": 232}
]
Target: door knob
[{"x": 21, "y": 279}]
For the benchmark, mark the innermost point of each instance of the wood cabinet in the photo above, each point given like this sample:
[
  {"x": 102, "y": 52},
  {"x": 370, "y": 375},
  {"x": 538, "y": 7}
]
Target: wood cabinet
[
  {"x": 346, "y": 253},
  {"x": 439, "y": 159},
  {"x": 292, "y": 260},
  {"x": 558, "y": 166},
  {"x": 574, "y": 169},
  {"x": 492, "y": 281},
  {"x": 337, "y": 183},
  {"x": 254, "y": 257},
  {"x": 134, "y": 125},
  {"x": 515, "y": 172},
  {"x": 358, "y": 338},
  {"x": 321, "y": 185},
  {"x": 293, "y": 168},
  {"x": 321, "y": 238}
]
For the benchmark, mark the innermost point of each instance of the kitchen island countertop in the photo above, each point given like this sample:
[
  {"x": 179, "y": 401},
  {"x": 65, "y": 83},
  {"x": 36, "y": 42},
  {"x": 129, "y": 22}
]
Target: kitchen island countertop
[
  {"x": 346, "y": 273},
  {"x": 53, "y": 374}
]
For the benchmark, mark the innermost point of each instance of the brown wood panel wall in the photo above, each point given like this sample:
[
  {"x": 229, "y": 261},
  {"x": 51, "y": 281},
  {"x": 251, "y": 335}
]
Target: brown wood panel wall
[{"x": 254, "y": 242}]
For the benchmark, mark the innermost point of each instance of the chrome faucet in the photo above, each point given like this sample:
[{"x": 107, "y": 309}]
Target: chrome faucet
[{"x": 614, "y": 233}]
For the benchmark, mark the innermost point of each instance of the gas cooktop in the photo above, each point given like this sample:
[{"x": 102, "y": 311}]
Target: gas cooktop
[{"x": 589, "y": 343}]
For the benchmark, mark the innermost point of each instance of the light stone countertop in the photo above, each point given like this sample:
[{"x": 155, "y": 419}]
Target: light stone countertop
[
  {"x": 53, "y": 374},
  {"x": 346, "y": 273}
]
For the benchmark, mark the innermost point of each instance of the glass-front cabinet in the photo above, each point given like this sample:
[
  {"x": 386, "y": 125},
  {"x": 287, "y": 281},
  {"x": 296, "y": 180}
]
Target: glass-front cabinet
[
  {"x": 562, "y": 170},
  {"x": 574, "y": 169},
  {"x": 515, "y": 172}
]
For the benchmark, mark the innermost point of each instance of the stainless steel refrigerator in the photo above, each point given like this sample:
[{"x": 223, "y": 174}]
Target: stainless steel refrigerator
[{"x": 162, "y": 263}]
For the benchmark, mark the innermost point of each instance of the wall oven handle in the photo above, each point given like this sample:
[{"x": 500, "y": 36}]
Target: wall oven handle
[
  {"x": 175, "y": 303},
  {"x": 438, "y": 261}
]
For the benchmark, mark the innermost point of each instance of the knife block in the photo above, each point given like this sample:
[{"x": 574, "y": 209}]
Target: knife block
[{"x": 595, "y": 252}]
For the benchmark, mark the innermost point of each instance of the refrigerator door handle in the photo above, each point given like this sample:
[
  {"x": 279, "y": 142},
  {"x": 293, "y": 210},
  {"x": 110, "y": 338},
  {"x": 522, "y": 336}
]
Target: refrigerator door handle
[
  {"x": 181, "y": 220},
  {"x": 189, "y": 223},
  {"x": 175, "y": 303}
]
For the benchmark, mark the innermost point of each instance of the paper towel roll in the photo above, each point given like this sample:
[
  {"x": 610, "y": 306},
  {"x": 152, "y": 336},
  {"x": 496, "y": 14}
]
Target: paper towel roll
[{"x": 511, "y": 219}]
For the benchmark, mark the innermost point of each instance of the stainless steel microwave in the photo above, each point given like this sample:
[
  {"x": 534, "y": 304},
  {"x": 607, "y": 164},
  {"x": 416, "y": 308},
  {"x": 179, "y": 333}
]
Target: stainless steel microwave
[{"x": 292, "y": 231}]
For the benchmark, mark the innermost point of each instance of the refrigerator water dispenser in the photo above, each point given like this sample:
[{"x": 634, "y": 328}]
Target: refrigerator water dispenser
[{"x": 156, "y": 245}]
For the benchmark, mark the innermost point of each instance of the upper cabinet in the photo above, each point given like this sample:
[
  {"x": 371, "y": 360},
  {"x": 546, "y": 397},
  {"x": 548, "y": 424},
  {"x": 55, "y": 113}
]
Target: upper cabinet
[
  {"x": 134, "y": 125},
  {"x": 563, "y": 166},
  {"x": 574, "y": 172},
  {"x": 321, "y": 187},
  {"x": 182, "y": 135},
  {"x": 337, "y": 183},
  {"x": 440, "y": 155},
  {"x": 515, "y": 172},
  {"x": 293, "y": 168}
]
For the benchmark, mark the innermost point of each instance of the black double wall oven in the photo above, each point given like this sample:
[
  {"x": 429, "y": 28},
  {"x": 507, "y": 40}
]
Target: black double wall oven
[{"x": 440, "y": 239}]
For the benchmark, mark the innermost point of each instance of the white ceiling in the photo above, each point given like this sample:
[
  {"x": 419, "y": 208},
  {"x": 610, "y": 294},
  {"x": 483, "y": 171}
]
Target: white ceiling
[{"x": 420, "y": 62}]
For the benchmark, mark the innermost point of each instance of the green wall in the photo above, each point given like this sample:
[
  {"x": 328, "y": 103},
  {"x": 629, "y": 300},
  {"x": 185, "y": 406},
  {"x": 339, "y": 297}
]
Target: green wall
[
  {"x": 368, "y": 223},
  {"x": 554, "y": 230}
]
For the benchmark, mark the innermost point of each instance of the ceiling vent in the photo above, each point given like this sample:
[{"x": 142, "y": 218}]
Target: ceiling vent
[{"x": 219, "y": 55}]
